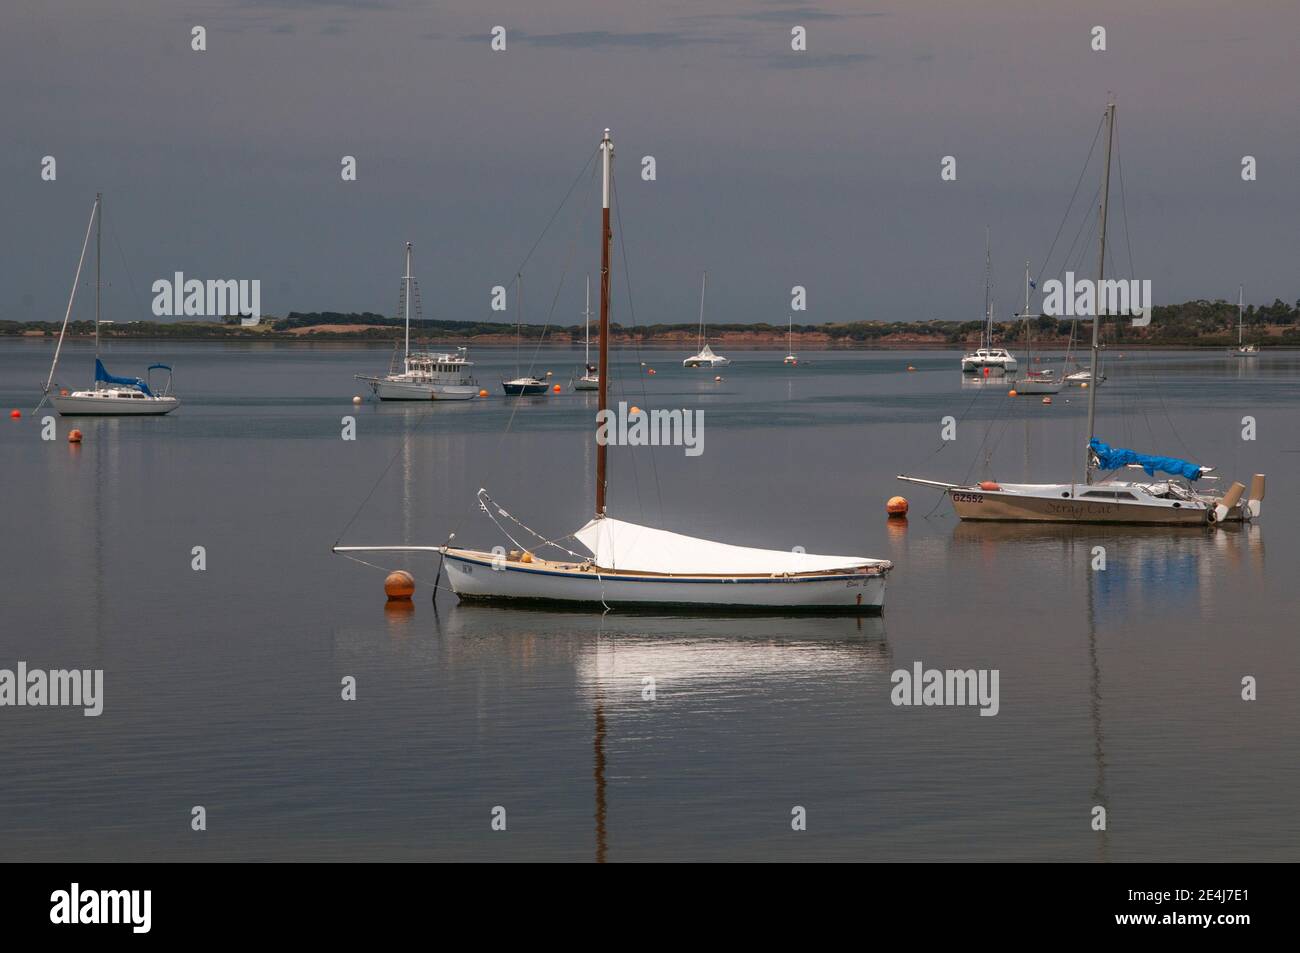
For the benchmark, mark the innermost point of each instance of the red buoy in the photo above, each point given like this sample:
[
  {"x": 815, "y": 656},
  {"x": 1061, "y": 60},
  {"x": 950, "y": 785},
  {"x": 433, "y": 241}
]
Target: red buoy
[{"x": 399, "y": 585}]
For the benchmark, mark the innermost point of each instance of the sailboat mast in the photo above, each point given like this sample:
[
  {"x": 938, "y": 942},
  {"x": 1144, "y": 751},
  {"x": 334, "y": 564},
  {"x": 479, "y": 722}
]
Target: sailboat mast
[
  {"x": 606, "y": 236},
  {"x": 407, "y": 296},
  {"x": 1029, "y": 341},
  {"x": 988, "y": 295},
  {"x": 1241, "y": 311},
  {"x": 99, "y": 228},
  {"x": 704, "y": 281},
  {"x": 1099, "y": 308},
  {"x": 586, "y": 323},
  {"x": 72, "y": 296}
]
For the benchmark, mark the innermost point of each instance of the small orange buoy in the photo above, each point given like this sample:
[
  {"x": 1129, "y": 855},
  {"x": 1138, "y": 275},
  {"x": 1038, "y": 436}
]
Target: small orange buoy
[
  {"x": 896, "y": 506},
  {"x": 399, "y": 585},
  {"x": 63, "y": 392},
  {"x": 15, "y": 414},
  {"x": 483, "y": 393},
  {"x": 74, "y": 436},
  {"x": 556, "y": 388},
  {"x": 651, "y": 371},
  {"x": 1047, "y": 400},
  {"x": 634, "y": 410},
  {"x": 989, "y": 485},
  {"x": 1084, "y": 385},
  {"x": 1012, "y": 392}
]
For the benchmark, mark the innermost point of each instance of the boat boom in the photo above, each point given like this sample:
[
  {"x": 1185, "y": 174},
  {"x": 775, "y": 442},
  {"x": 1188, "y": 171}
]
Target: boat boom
[{"x": 938, "y": 483}]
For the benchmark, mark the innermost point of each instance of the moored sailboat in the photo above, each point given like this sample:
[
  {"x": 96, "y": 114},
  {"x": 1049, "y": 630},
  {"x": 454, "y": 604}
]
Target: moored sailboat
[
  {"x": 705, "y": 357},
  {"x": 108, "y": 396},
  {"x": 1243, "y": 349},
  {"x": 590, "y": 379},
  {"x": 1034, "y": 382},
  {"x": 631, "y": 564},
  {"x": 1171, "y": 501}
]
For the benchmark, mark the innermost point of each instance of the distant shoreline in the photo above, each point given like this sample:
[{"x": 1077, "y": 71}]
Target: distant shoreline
[{"x": 721, "y": 345}]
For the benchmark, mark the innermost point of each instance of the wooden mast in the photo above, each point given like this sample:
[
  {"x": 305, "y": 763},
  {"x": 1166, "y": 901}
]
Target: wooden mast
[{"x": 606, "y": 236}]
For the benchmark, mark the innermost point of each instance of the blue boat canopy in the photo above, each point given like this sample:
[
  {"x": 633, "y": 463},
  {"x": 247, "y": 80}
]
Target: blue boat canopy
[
  {"x": 1109, "y": 458},
  {"x": 101, "y": 374}
]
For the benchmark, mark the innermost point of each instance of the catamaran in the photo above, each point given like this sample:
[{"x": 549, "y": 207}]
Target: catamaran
[
  {"x": 705, "y": 357},
  {"x": 987, "y": 357},
  {"x": 1242, "y": 349},
  {"x": 1170, "y": 501},
  {"x": 630, "y": 564},
  {"x": 424, "y": 375},
  {"x": 108, "y": 395},
  {"x": 590, "y": 379},
  {"x": 1034, "y": 382}
]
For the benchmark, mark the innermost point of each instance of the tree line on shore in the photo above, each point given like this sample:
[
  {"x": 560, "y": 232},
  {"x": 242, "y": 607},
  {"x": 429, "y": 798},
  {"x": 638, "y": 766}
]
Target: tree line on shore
[{"x": 1192, "y": 323}]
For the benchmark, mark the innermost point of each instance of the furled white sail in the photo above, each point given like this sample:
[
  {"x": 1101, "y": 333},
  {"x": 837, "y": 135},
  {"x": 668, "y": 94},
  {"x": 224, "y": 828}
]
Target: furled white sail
[{"x": 632, "y": 548}]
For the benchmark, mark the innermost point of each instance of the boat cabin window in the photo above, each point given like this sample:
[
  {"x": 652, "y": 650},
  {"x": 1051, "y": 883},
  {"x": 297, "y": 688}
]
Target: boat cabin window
[{"x": 1110, "y": 494}]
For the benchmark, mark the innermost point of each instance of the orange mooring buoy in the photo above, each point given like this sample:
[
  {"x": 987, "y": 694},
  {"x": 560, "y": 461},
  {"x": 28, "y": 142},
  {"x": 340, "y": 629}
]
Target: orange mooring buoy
[
  {"x": 897, "y": 506},
  {"x": 15, "y": 414},
  {"x": 483, "y": 393},
  {"x": 1084, "y": 385},
  {"x": 1012, "y": 392},
  {"x": 399, "y": 585},
  {"x": 556, "y": 388},
  {"x": 633, "y": 411},
  {"x": 651, "y": 371},
  {"x": 74, "y": 436}
]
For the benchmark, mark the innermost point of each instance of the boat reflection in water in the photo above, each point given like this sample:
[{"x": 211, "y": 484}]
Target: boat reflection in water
[{"x": 615, "y": 656}]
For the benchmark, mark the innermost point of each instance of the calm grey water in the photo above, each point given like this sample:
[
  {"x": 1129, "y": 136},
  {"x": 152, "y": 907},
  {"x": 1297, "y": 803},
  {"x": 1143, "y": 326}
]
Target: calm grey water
[{"x": 222, "y": 688}]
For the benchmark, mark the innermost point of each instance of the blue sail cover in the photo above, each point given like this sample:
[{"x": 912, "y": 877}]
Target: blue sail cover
[
  {"x": 1113, "y": 459},
  {"x": 103, "y": 375}
]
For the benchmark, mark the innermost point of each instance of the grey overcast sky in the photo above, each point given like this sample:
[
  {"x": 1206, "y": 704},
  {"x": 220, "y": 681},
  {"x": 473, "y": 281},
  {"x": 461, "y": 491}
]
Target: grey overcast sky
[{"x": 775, "y": 168}]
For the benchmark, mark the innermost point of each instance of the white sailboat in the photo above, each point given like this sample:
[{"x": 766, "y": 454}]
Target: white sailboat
[
  {"x": 705, "y": 357},
  {"x": 790, "y": 357},
  {"x": 1170, "y": 501},
  {"x": 424, "y": 375},
  {"x": 1034, "y": 382},
  {"x": 1243, "y": 349},
  {"x": 987, "y": 357},
  {"x": 590, "y": 379},
  {"x": 108, "y": 396},
  {"x": 636, "y": 565}
]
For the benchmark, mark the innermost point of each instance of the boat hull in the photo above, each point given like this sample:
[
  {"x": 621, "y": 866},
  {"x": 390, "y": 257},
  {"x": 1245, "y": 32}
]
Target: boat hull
[
  {"x": 1028, "y": 386},
  {"x": 525, "y": 390},
  {"x": 586, "y": 383},
  {"x": 971, "y": 504},
  {"x": 418, "y": 390},
  {"x": 77, "y": 406},
  {"x": 480, "y": 577}
]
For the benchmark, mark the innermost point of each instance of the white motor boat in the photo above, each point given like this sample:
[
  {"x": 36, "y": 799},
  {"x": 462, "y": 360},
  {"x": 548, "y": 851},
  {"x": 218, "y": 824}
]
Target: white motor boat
[
  {"x": 424, "y": 375},
  {"x": 705, "y": 357},
  {"x": 108, "y": 396},
  {"x": 634, "y": 565}
]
